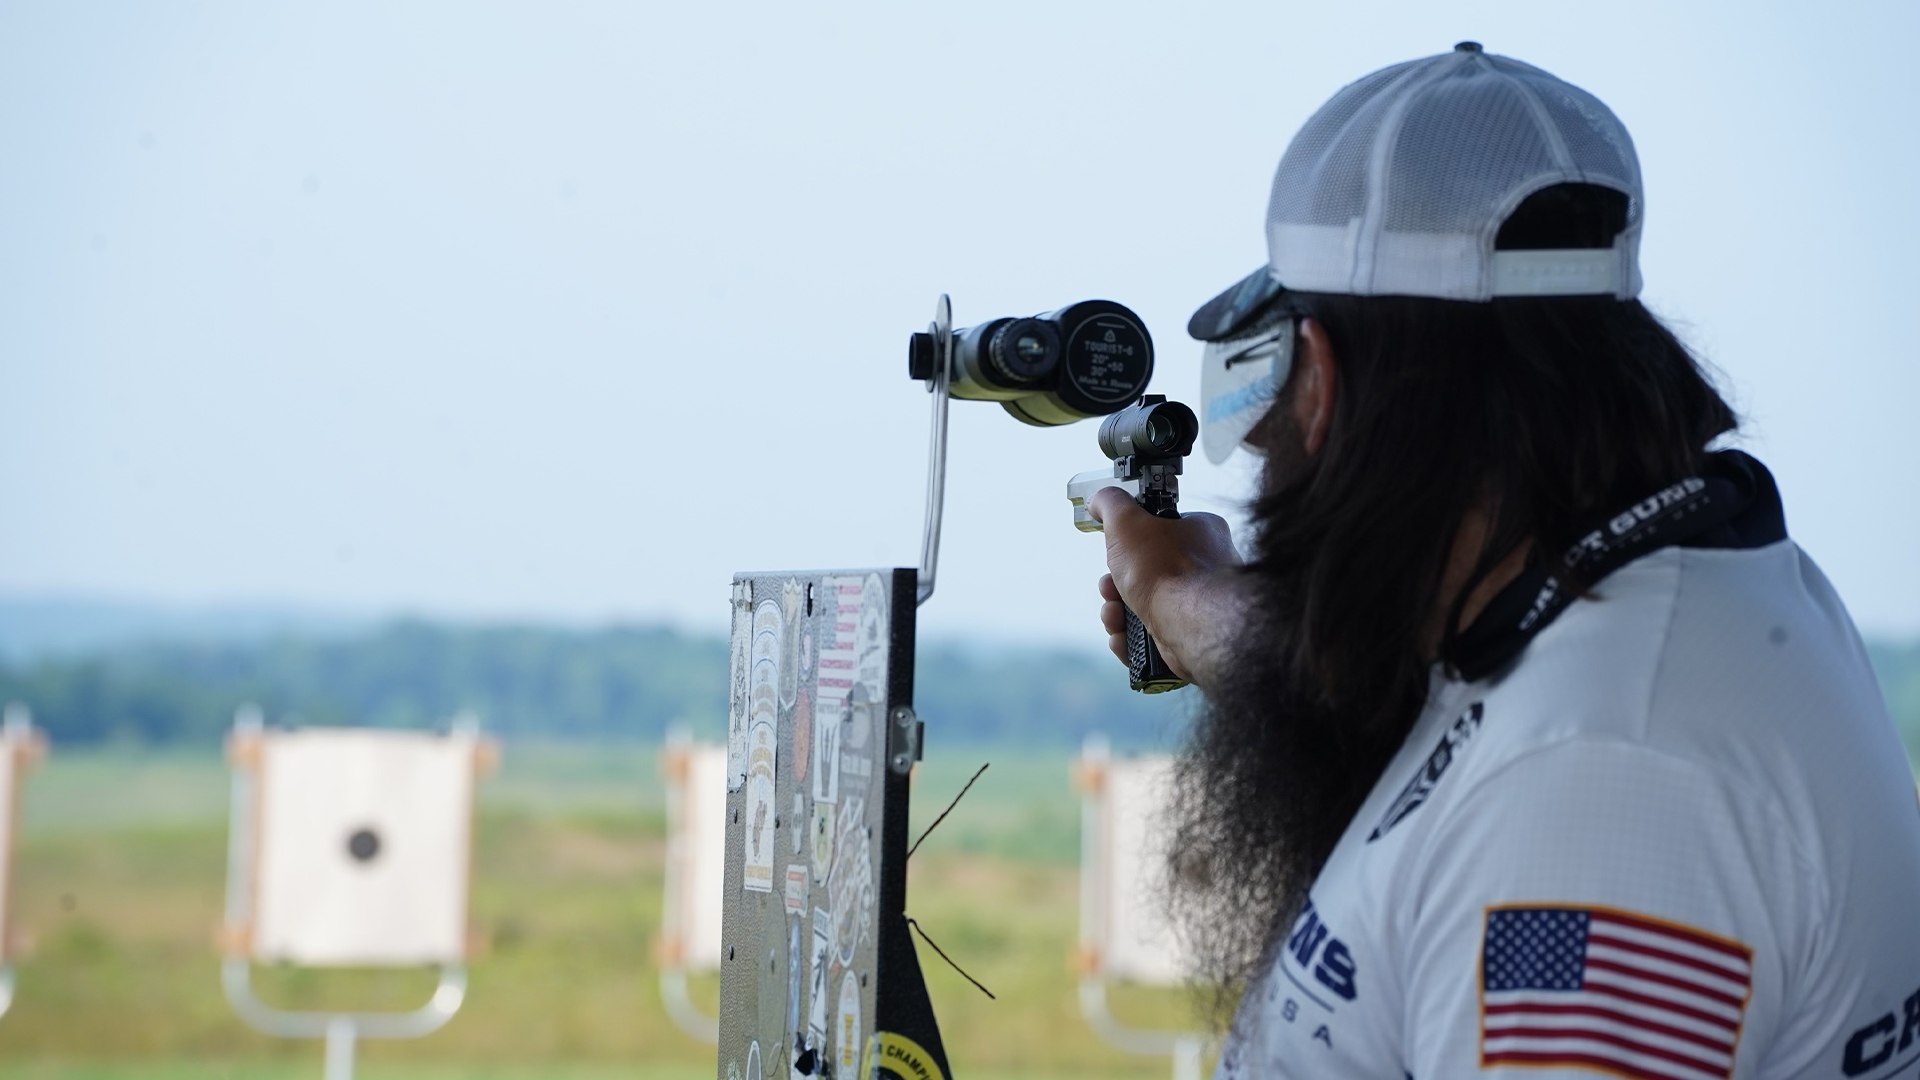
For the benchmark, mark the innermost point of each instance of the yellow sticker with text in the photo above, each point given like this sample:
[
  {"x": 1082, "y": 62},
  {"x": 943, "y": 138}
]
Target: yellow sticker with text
[{"x": 900, "y": 1056}]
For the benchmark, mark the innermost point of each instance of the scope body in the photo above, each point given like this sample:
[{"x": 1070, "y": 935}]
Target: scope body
[{"x": 1087, "y": 359}]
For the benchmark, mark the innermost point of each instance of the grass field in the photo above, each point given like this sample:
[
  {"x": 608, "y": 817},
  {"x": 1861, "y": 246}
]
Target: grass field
[{"x": 120, "y": 871}]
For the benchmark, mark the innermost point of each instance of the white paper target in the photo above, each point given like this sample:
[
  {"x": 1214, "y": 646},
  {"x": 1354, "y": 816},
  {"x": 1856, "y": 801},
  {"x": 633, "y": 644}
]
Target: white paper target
[
  {"x": 1136, "y": 941},
  {"x": 698, "y": 854},
  {"x": 364, "y": 844}
]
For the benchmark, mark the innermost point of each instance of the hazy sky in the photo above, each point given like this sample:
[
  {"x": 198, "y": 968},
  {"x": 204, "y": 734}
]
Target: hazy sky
[{"x": 572, "y": 310}]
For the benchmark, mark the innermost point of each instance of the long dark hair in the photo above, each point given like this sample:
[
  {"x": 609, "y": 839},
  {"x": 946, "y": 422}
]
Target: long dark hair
[{"x": 1543, "y": 413}]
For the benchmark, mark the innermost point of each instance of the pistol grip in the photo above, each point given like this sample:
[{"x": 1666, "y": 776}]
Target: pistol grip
[{"x": 1147, "y": 670}]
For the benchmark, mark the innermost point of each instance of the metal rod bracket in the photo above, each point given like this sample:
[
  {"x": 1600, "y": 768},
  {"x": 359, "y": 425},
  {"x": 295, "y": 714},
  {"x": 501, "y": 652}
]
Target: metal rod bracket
[{"x": 941, "y": 330}]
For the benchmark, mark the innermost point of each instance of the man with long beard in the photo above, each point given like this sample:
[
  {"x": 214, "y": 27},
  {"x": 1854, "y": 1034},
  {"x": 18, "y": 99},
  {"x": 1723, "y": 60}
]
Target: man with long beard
[{"x": 1531, "y": 743}]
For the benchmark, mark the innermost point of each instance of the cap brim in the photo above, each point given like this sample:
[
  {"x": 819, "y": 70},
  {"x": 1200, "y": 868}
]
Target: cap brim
[{"x": 1226, "y": 315}]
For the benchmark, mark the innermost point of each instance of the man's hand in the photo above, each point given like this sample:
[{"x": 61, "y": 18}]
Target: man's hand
[{"x": 1175, "y": 574}]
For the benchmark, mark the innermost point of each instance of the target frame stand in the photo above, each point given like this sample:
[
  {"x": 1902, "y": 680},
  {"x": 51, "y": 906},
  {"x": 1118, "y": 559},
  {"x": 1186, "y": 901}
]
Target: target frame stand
[
  {"x": 341, "y": 1031},
  {"x": 21, "y": 747},
  {"x": 1111, "y": 915},
  {"x": 689, "y": 941}
]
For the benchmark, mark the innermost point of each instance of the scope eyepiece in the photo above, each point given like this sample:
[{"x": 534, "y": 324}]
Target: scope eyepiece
[
  {"x": 1023, "y": 353},
  {"x": 1086, "y": 359},
  {"x": 1155, "y": 428},
  {"x": 922, "y": 358}
]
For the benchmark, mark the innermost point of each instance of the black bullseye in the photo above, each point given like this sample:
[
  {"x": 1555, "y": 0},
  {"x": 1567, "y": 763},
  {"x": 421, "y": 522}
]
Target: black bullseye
[{"x": 363, "y": 845}]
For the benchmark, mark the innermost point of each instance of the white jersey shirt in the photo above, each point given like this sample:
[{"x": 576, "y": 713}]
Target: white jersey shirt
[{"x": 1678, "y": 839}]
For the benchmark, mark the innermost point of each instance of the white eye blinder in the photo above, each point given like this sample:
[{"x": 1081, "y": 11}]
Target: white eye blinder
[{"x": 1239, "y": 378}]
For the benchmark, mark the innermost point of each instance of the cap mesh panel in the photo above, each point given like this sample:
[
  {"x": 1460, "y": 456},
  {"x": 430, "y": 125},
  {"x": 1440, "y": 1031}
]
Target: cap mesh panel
[
  {"x": 1596, "y": 139},
  {"x": 1468, "y": 140},
  {"x": 1322, "y": 178},
  {"x": 1467, "y": 136}
]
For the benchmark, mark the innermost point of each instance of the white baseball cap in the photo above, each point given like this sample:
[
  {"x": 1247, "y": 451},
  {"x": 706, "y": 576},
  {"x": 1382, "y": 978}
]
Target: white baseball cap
[{"x": 1398, "y": 186}]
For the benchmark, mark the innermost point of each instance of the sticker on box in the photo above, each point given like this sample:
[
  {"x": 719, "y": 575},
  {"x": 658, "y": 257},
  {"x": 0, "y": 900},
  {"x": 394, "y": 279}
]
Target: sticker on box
[
  {"x": 846, "y": 1027},
  {"x": 850, "y": 892},
  {"x": 757, "y": 872}
]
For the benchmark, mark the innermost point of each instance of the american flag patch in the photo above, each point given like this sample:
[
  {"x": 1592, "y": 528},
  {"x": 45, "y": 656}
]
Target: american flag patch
[{"x": 1612, "y": 991}]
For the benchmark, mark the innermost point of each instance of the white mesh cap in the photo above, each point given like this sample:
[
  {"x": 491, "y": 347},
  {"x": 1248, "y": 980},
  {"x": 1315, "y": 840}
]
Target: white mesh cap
[{"x": 1400, "y": 183}]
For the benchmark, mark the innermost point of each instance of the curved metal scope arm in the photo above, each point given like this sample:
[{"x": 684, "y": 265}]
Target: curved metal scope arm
[{"x": 942, "y": 331}]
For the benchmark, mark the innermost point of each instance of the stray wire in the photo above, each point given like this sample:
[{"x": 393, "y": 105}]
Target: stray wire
[
  {"x": 936, "y": 824},
  {"x": 949, "y": 959}
]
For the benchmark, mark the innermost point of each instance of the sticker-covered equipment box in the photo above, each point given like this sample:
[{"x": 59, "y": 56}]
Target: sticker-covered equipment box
[{"x": 818, "y": 977}]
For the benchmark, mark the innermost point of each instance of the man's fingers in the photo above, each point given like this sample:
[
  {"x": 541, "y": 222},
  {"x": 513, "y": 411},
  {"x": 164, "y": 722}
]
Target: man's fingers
[
  {"x": 1147, "y": 554},
  {"x": 1111, "y": 504}
]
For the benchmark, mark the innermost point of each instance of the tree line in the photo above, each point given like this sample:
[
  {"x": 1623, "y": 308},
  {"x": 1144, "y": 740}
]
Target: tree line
[{"x": 620, "y": 682}]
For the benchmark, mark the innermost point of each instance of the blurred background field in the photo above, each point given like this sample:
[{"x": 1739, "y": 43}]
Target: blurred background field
[
  {"x": 122, "y": 849},
  {"x": 121, "y": 863}
]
